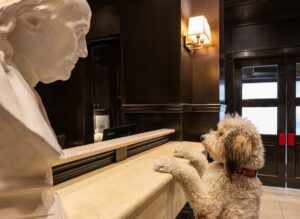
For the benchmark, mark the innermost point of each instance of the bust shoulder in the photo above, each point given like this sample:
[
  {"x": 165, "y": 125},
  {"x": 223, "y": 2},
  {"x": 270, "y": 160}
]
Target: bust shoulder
[{"x": 21, "y": 103}]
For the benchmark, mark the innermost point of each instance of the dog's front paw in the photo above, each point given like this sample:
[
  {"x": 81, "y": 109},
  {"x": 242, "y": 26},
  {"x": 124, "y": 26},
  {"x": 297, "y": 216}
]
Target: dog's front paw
[
  {"x": 164, "y": 165},
  {"x": 181, "y": 152}
]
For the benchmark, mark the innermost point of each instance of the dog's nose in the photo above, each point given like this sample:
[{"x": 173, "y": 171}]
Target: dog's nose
[{"x": 202, "y": 137}]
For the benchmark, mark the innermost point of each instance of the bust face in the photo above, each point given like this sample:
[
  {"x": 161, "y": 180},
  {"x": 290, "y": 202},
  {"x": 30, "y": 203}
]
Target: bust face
[{"x": 49, "y": 48}]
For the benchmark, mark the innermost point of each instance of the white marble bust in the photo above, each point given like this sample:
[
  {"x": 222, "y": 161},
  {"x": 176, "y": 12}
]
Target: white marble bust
[{"x": 40, "y": 41}]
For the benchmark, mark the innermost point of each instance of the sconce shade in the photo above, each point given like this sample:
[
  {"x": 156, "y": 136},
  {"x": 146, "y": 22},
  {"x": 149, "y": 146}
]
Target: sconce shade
[{"x": 199, "y": 28}]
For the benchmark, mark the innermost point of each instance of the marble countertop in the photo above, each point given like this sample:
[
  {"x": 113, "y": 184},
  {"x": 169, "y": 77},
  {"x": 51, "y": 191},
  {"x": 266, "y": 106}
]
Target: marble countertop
[
  {"x": 80, "y": 152},
  {"x": 120, "y": 189}
]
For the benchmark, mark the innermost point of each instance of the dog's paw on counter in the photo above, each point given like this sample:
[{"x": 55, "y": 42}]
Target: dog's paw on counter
[{"x": 164, "y": 165}]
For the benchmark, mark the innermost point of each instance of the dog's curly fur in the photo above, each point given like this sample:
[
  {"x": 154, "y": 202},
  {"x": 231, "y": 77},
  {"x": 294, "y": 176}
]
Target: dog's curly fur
[{"x": 215, "y": 190}]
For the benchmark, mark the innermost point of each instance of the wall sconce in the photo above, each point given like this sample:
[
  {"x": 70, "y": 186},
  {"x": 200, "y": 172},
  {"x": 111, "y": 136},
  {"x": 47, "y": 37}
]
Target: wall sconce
[{"x": 198, "y": 33}]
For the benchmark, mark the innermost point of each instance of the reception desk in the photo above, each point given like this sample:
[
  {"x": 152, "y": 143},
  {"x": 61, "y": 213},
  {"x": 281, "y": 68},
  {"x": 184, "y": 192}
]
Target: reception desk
[{"x": 127, "y": 189}]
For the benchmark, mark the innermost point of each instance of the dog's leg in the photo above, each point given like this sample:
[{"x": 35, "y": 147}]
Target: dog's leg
[
  {"x": 197, "y": 159},
  {"x": 190, "y": 181}
]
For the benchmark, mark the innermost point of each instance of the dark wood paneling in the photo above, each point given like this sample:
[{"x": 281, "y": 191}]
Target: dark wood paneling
[
  {"x": 271, "y": 165},
  {"x": 297, "y": 163},
  {"x": 293, "y": 171},
  {"x": 264, "y": 24},
  {"x": 71, "y": 124},
  {"x": 153, "y": 121},
  {"x": 196, "y": 124},
  {"x": 186, "y": 76},
  {"x": 266, "y": 53},
  {"x": 235, "y": 3},
  {"x": 206, "y": 76},
  {"x": 165, "y": 84},
  {"x": 229, "y": 83},
  {"x": 206, "y": 62},
  {"x": 273, "y": 172},
  {"x": 67, "y": 107},
  {"x": 266, "y": 35},
  {"x": 172, "y": 108},
  {"x": 188, "y": 126},
  {"x": 151, "y": 50},
  {"x": 57, "y": 93},
  {"x": 189, "y": 120},
  {"x": 260, "y": 103},
  {"x": 105, "y": 18},
  {"x": 186, "y": 65},
  {"x": 106, "y": 77},
  {"x": 261, "y": 11}
]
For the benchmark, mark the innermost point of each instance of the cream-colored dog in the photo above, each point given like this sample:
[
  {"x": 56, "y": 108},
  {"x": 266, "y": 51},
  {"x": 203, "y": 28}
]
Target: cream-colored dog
[{"x": 227, "y": 187}]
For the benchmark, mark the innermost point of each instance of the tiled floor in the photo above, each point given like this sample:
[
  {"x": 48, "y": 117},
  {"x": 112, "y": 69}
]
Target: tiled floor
[{"x": 280, "y": 203}]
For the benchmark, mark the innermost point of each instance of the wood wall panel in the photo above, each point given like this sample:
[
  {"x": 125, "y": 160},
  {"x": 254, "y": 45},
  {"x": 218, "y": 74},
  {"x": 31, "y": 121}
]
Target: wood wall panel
[
  {"x": 264, "y": 24},
  {"x": 189, "y": 120},
  {"x": 206, "y": 62},
  {"x": 69, "y": 123},
  {"x": 196, "y": 124},
  {"x": 186, "y": 77},
  {"x": 270, "y": 167},
  {"x": 162, "y": 80},
  {"x": 105, "y": 18},
  {"x": 186, "y": 64},
  {"x": 151, "y": 50},
  {"x": 297, "y": 161},
  {"x": 66, "y": 105},
  {"x": 266, "y": 36}
]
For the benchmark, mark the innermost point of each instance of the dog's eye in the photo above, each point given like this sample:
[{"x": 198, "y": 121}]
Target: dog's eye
[{"x": 220, "y": 133}]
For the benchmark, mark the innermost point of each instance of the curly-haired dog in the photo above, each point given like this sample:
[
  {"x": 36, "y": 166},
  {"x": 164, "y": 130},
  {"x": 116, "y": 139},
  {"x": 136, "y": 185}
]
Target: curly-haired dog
[{"x": 227, "y": 187}]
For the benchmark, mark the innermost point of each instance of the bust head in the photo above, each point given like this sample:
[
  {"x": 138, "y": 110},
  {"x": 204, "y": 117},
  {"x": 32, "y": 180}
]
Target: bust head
[{"x": 44, "y": 39}]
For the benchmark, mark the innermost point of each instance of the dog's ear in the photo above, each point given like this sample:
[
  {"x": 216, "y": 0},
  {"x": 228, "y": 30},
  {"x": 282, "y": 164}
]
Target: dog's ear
[{"x": 238, "y": 149}]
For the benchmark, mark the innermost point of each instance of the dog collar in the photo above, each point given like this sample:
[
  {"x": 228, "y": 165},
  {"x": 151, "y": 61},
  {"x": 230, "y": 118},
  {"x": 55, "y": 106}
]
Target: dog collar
[{"x": 247, "y": 172}]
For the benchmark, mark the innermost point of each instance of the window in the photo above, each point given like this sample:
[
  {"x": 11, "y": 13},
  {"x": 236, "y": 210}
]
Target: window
[
  {"x": 264, "y": 118},
  {"x": 259, "y": 82},
  {"x": 262, "y": 90}
]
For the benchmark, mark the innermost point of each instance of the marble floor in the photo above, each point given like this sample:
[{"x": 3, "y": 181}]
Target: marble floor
[{"x": 279, "y": 203}]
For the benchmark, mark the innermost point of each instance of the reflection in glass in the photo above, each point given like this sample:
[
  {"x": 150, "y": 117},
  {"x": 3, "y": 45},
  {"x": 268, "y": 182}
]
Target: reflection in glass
[
  {"x": 259, "y": 82},
  {"x": 298, "y": 120},
  {"x": 264, "y": 118},
  {"x": 297, "y": 79},
  {"x": 222, "y": 91}
]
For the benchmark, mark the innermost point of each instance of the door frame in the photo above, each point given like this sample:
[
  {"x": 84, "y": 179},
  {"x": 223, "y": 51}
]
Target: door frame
[
  {"x": 293, "y": 148},
  {"x": 276, "y": 152}
]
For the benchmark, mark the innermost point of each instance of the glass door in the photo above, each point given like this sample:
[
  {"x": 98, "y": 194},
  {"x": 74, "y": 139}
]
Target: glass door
[
  {"x": 260, "y": 97},
  {"x": 292, "y": 70}
]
